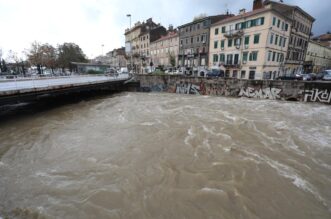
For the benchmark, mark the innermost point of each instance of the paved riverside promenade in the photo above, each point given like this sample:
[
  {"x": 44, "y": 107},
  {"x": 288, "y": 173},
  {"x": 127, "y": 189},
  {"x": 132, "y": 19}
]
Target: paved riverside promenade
[{"x": 16, "y": 90}]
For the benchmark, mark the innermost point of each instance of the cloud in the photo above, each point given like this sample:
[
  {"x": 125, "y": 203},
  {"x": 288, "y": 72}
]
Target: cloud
[{"x": 91, "y": 23}]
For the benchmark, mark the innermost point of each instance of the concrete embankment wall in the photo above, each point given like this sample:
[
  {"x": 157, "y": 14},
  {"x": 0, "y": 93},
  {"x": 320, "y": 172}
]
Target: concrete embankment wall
[{"x": 275, "y": 90}]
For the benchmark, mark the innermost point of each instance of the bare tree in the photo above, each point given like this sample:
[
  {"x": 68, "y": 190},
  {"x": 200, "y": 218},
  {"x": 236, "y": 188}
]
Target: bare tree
[{"x": 34, "y": 55}]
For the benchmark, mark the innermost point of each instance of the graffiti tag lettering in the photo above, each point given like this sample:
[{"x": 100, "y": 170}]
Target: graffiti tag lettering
[
  {"x": 267, "y": 93},
  {"x": 315, "y": 95},
  {"x": 187, "y": 88}
]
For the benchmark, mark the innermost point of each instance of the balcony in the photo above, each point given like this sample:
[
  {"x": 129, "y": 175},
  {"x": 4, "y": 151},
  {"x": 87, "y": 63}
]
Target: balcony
[
  {"x": 234, "y": 33},
  {"x": 232, "y": 66}
]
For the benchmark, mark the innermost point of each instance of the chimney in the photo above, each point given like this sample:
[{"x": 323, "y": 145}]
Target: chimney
[
  {"x": 242, "y": 11},
  {"x": 171, "y": 28},
  {"x": 257, "y": 4}
]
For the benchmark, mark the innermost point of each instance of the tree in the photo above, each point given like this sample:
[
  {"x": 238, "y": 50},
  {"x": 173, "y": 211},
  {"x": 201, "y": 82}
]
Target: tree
[
  {"x": 69, "y": 52},
  {"x": 4, "y": 66},
  {"x": 34, "y": 55},
  {"x": 172, "y": 59},
  {"x": 48, "y": 54}
]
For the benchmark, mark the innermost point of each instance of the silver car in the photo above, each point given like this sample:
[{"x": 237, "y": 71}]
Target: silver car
[{"x": 327, "y": 75}]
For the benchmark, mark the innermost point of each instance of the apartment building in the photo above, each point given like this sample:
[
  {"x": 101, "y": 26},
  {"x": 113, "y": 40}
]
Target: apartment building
[
  {"x": 324, "y": 39},
  {"x": 118, "y": 58},
  {"x": 251, "y": 45},
  {"x": 138, "y": 38},
  {"x": 301, "y": 26},
  {"x": 318, "y": 57},
  {"x": 194, "y": 41},
  {"x": 164, "y": 51}
]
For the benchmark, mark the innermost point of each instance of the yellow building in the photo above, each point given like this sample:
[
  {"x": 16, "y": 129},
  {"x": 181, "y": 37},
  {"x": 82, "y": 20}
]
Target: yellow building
[{"x": 251, "y": 45}]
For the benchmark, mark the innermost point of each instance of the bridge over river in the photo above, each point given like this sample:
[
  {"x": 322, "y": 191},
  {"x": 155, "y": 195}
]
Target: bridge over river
[{"x": 12, "y": 91}]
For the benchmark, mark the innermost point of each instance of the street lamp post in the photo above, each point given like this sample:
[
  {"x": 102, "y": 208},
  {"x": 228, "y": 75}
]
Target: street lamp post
[{"x": 131, "y": 65}]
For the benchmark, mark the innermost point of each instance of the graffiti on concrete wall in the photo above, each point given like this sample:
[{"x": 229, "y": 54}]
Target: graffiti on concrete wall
[
  {"x": 188, "y": 88},
  {"x": 316, "y": 95},
  {"x": 266, "y": 93}
]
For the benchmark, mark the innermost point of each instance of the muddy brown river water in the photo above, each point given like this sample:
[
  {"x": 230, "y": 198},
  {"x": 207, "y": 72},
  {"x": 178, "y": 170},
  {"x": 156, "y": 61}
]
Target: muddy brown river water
[{"x": 137, "y": 155}]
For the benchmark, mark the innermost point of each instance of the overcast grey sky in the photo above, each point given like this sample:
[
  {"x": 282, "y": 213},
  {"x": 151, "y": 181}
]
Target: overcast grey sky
[{"x": 91, "y": 23}]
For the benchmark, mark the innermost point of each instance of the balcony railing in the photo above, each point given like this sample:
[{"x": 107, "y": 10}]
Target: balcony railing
[{"x": 234, "y": 33}]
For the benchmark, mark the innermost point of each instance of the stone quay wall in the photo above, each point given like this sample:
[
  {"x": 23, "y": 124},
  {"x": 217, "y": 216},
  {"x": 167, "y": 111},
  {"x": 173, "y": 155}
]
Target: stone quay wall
[{"x": 259, "y": 89}]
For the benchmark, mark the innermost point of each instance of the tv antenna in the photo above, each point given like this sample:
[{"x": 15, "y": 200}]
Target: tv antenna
[{"x": 226, "y": 8}]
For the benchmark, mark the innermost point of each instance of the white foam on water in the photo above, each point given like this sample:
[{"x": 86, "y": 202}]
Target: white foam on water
[
  {"x": 190, "y": 136},
  {"x": 212, "y": 190},
  {"x": 147, "y": 123}
]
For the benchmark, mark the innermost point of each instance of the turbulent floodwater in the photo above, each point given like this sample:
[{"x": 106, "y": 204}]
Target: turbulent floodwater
[{"x": 138, "y": 155}]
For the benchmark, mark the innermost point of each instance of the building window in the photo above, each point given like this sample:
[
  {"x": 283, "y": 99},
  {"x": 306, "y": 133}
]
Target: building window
[
  {"x": 253, "y": 56},
  {"x": 245, "y": 56},
  {"x": 272, "y": 38},
  {"x": 198, "y": 38},
  {"x": 198, "y": 26},
  {"x": 274, "y": 20},
  {"x": 278, "y": 23},
  {"x": 269, "y": 55},
  {"x": 191, "y": 40},
  {"x": 215, "y": 44},
  {"x": 276, "y": 40},
  {"x": 251, "y": 75},
  {"x": 215, "y": 58},
  {"x": 222, "y": 44},
  {"x": 237, "y": 42},
  {"x": 181, "y": 42},
  {"x": 274, "y": 56},
  {"x": 223, "y": 29},
  {"x": 230, "y": 43},
  {"x": 236, "y": 59},
  {"x": 246, "y": 40},
  {"x": 256, "y": 38},
  {"x": 229, "y": 59},
  {"x": 222, "y": 57},
  {"x": 235, "y": 74},
  {"x": 259, "y": 21},
  {"x": 286, "y": 27},
  {"x": 243, "y": 75},
  {"x": 280, "y": 41},
  {"x": 216, "y": 31}
]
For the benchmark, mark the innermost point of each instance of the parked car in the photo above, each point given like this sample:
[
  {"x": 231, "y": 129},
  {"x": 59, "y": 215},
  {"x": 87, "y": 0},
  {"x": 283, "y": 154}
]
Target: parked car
[
  {"x": 216, "y": 73},
  {"x": 309, "y": 77},
  {"x": 327, "y": 75},
  {"x": 295, "y": 77},
  {"x": 319, "y": 76}
]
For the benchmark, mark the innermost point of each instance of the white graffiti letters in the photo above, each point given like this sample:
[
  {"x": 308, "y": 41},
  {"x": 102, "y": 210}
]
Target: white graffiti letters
[
  {"x": 267, "y": 93},
  {"x": 323, "y": 96},
  {"x": 187, "y": 89}
]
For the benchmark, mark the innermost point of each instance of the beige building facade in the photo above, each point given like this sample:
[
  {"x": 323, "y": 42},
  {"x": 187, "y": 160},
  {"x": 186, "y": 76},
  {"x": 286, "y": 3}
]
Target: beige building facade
[
  {"x": 165, "y": 49},
  {"x": 301, "y": 23},
  {"x": 138, "y": 39},
  {"x": 318, "y": 58},
  {"x": 249, "y": 45}
]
